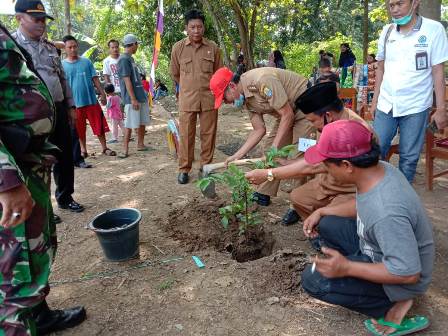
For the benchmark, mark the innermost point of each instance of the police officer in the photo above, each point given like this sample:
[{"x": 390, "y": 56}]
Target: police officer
[
  {"x": 32, "y": 17},
  {"x": 265, "y": 91},
  {"x": 27, "y": 233}
]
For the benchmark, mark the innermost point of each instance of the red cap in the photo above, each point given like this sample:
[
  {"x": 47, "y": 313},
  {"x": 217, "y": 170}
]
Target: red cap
[
  {"x": 218, "y": 84},
  {"x": 341, "y": 139}
]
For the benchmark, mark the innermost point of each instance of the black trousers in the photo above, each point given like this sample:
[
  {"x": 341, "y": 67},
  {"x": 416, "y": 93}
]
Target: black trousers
[
  {"x": 64, "y": 169},
  {"x": 76, "y": 148},
  {"x": 356, "y": 294}
]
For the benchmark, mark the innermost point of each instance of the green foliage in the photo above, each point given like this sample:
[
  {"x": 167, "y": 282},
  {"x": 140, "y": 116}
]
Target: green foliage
[
  {"x": 166, "y": 284},
  {"x": 241, "y": 207},
  {"x": 302, "y": 57},
  {"x": 273, "y": 154}
]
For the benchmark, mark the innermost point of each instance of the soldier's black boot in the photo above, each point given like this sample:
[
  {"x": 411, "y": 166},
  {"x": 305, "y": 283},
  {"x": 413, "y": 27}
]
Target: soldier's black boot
[{"x": 48, "y": 321}]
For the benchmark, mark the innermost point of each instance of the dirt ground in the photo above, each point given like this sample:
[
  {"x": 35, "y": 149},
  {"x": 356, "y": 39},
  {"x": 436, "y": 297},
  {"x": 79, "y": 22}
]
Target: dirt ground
[{"x": 165, "y": 293}]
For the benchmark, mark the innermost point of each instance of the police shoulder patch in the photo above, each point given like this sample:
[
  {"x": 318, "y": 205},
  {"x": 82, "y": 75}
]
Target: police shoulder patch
[{"x": 266, "y": 91}]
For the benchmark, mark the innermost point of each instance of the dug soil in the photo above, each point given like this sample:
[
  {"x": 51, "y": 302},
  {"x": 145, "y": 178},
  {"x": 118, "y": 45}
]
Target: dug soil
[
  {"x": 163, "y": 292},
  {"x": 197, "y": 225}
]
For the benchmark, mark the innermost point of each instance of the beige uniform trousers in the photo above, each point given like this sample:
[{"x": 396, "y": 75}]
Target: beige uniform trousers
[
  {"x": 301, "y": 129},
  {"x": 308, "y": 198},
  {"x": 208, "y": 121}
]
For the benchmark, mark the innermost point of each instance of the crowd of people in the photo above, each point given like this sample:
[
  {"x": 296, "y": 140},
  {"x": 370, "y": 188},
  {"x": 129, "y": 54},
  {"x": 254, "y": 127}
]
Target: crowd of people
[{"x": 361, "y": 213}]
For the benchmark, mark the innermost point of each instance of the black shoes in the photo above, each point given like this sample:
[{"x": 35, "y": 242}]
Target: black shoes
[
  {"x": 290, "y": 217},
  {"x": 48, "y": 321},
  {"x": 83, "y": 164},
  {"x": 261, "y": 199},
  {"x": 72, "y": 206},
  {"x": 182, "y": 178},
  {"x": 57, "y": 219}
]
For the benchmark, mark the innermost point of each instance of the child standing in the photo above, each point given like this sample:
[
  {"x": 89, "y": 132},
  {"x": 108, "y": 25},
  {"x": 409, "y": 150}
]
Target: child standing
[{"x": 114, "y": 111}]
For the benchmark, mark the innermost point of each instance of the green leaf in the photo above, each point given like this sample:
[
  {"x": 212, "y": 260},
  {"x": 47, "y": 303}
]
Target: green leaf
[
  {"x": 203, "y": 183},
  {"x": 225, "y": 222}
]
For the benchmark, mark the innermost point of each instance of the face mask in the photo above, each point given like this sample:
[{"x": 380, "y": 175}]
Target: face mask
[
  {"x": 239, "y": 102},
  {"x": 405, "y": 19}
]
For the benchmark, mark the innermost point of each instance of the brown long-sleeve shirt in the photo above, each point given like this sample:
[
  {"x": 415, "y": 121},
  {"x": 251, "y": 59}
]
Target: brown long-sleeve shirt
[{"x": 192, "y": 67}]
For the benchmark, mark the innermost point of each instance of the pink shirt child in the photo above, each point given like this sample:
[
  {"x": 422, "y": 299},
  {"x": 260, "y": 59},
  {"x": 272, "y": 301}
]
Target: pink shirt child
[{"x": 113, "y": 107}]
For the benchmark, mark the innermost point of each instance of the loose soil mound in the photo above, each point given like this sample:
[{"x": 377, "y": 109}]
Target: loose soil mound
[
  {"x": 281, "y": 272},
  {"x": 197, "y": 225}
]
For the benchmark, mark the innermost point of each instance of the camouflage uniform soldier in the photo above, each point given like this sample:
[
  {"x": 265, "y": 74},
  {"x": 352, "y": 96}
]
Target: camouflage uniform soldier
[{"x": 27, "y": 236}]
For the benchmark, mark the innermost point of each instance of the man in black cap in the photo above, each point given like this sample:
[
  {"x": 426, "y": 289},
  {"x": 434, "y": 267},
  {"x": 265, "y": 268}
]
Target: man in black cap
[
  {"x": 321, "y": 105},
  {"x": 32, "y": 18}
]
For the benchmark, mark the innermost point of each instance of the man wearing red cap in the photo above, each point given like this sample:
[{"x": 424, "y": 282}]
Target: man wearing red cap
[
  {"x": 265, "y": 91},
  {"x": 193, "y": 61},
  {"x": 379, "y": 247}
]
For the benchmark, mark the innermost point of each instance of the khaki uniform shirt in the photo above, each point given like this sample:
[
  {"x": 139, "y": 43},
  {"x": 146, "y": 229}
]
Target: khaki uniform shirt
[
  {"x": 192, "y": 67},
  {"x": 48, "y": 64},
  {"x": 268, "y": 89},
  {"x": 328, "y": 186}
]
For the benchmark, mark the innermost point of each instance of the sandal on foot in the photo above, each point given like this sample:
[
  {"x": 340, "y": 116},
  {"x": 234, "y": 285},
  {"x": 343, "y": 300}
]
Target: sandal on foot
[
  {"x": 143, "y": 149},
  {"x": 109, "y": 152},
  {"x": 407, "y": 326},
  {"x": 122, "y": 156},
  {"x": 84, "y": 155}
]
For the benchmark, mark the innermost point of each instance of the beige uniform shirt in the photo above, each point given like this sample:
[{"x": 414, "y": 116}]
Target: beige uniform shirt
[
  {"x": 268, "y": 89},
  {"x": 328, "y": 186},
  {"x": 48, "y": 64},
  {"x": 192, "y": 67}
]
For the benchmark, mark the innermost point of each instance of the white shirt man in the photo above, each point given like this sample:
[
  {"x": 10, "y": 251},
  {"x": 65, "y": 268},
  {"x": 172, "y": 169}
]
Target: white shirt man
[
  {"x": 411, "y": 56},
  {"x": 110, "y": 65},
  {"x": 407, "y": 85}
]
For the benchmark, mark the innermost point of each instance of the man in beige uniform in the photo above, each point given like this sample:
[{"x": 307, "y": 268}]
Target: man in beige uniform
[
  {"x": 263, "y": 91},
  {"x": 321, "y": 106},
  {"x": 193, "y": 62}
]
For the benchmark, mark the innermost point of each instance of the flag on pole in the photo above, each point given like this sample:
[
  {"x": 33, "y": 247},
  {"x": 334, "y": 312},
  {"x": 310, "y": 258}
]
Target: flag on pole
[{"x": 157, "y": 44}]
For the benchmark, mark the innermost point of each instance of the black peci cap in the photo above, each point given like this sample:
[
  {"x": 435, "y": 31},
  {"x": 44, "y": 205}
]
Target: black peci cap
[
  {"x": 317, "y": 97},
  {"x": 34, "y": 8}
]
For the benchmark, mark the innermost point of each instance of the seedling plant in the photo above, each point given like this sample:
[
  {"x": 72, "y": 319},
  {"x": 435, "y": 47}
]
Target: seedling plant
[{"x": 242, "y": 208}]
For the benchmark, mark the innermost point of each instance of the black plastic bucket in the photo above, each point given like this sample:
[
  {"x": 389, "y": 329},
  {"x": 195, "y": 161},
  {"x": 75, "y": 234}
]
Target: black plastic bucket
[{"x": 117, "y": 232}]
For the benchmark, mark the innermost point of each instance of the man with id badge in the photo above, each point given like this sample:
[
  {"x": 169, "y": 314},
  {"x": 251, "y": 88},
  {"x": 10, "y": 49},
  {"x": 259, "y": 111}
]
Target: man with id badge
[
  {"x": 411, "y": 55},
  {"x": 321, "y": 106}
]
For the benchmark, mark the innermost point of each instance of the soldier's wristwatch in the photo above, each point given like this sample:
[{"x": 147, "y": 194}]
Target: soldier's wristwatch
[{"x": 270, "y": 175}]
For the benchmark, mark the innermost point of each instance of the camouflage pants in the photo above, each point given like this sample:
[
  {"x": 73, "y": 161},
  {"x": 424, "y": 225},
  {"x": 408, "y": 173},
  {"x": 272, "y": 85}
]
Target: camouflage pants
[{"x": 26, "y": 255}]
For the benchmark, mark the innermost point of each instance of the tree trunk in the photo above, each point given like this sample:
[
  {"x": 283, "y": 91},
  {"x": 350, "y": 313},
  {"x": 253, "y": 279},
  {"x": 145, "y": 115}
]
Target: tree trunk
[
  {"x": 431, "y": 9},
  {"x": 68, "y": 22},
  {"x": 244, "y": 33},
  {"x": 218, "y": 29},
  {"x": 365, "y": 43},
  {"x": 253, "y": 22}
]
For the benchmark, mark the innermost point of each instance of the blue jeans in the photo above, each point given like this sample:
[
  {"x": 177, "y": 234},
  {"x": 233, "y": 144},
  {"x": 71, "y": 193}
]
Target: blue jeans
[
  {"x": 159, "y": 94},
  {"x": 412, "y": 137},
  {"x": 356, "y": 294}
]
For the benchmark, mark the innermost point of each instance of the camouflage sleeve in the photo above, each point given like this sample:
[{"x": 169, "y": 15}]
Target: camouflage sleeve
[{"x": 10, "y": 176}]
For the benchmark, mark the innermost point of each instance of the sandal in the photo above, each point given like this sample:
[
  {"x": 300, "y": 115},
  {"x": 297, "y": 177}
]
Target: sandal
[
  {"x": 407, "y": 326},
  {"x": 84, "y": 155},
  {"x": 122, "y": 156},
  {"x": 109, "y": 152}
]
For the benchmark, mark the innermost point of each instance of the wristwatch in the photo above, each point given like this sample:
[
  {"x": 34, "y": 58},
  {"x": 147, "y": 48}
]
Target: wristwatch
[{"x": 270, "y": 175}]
